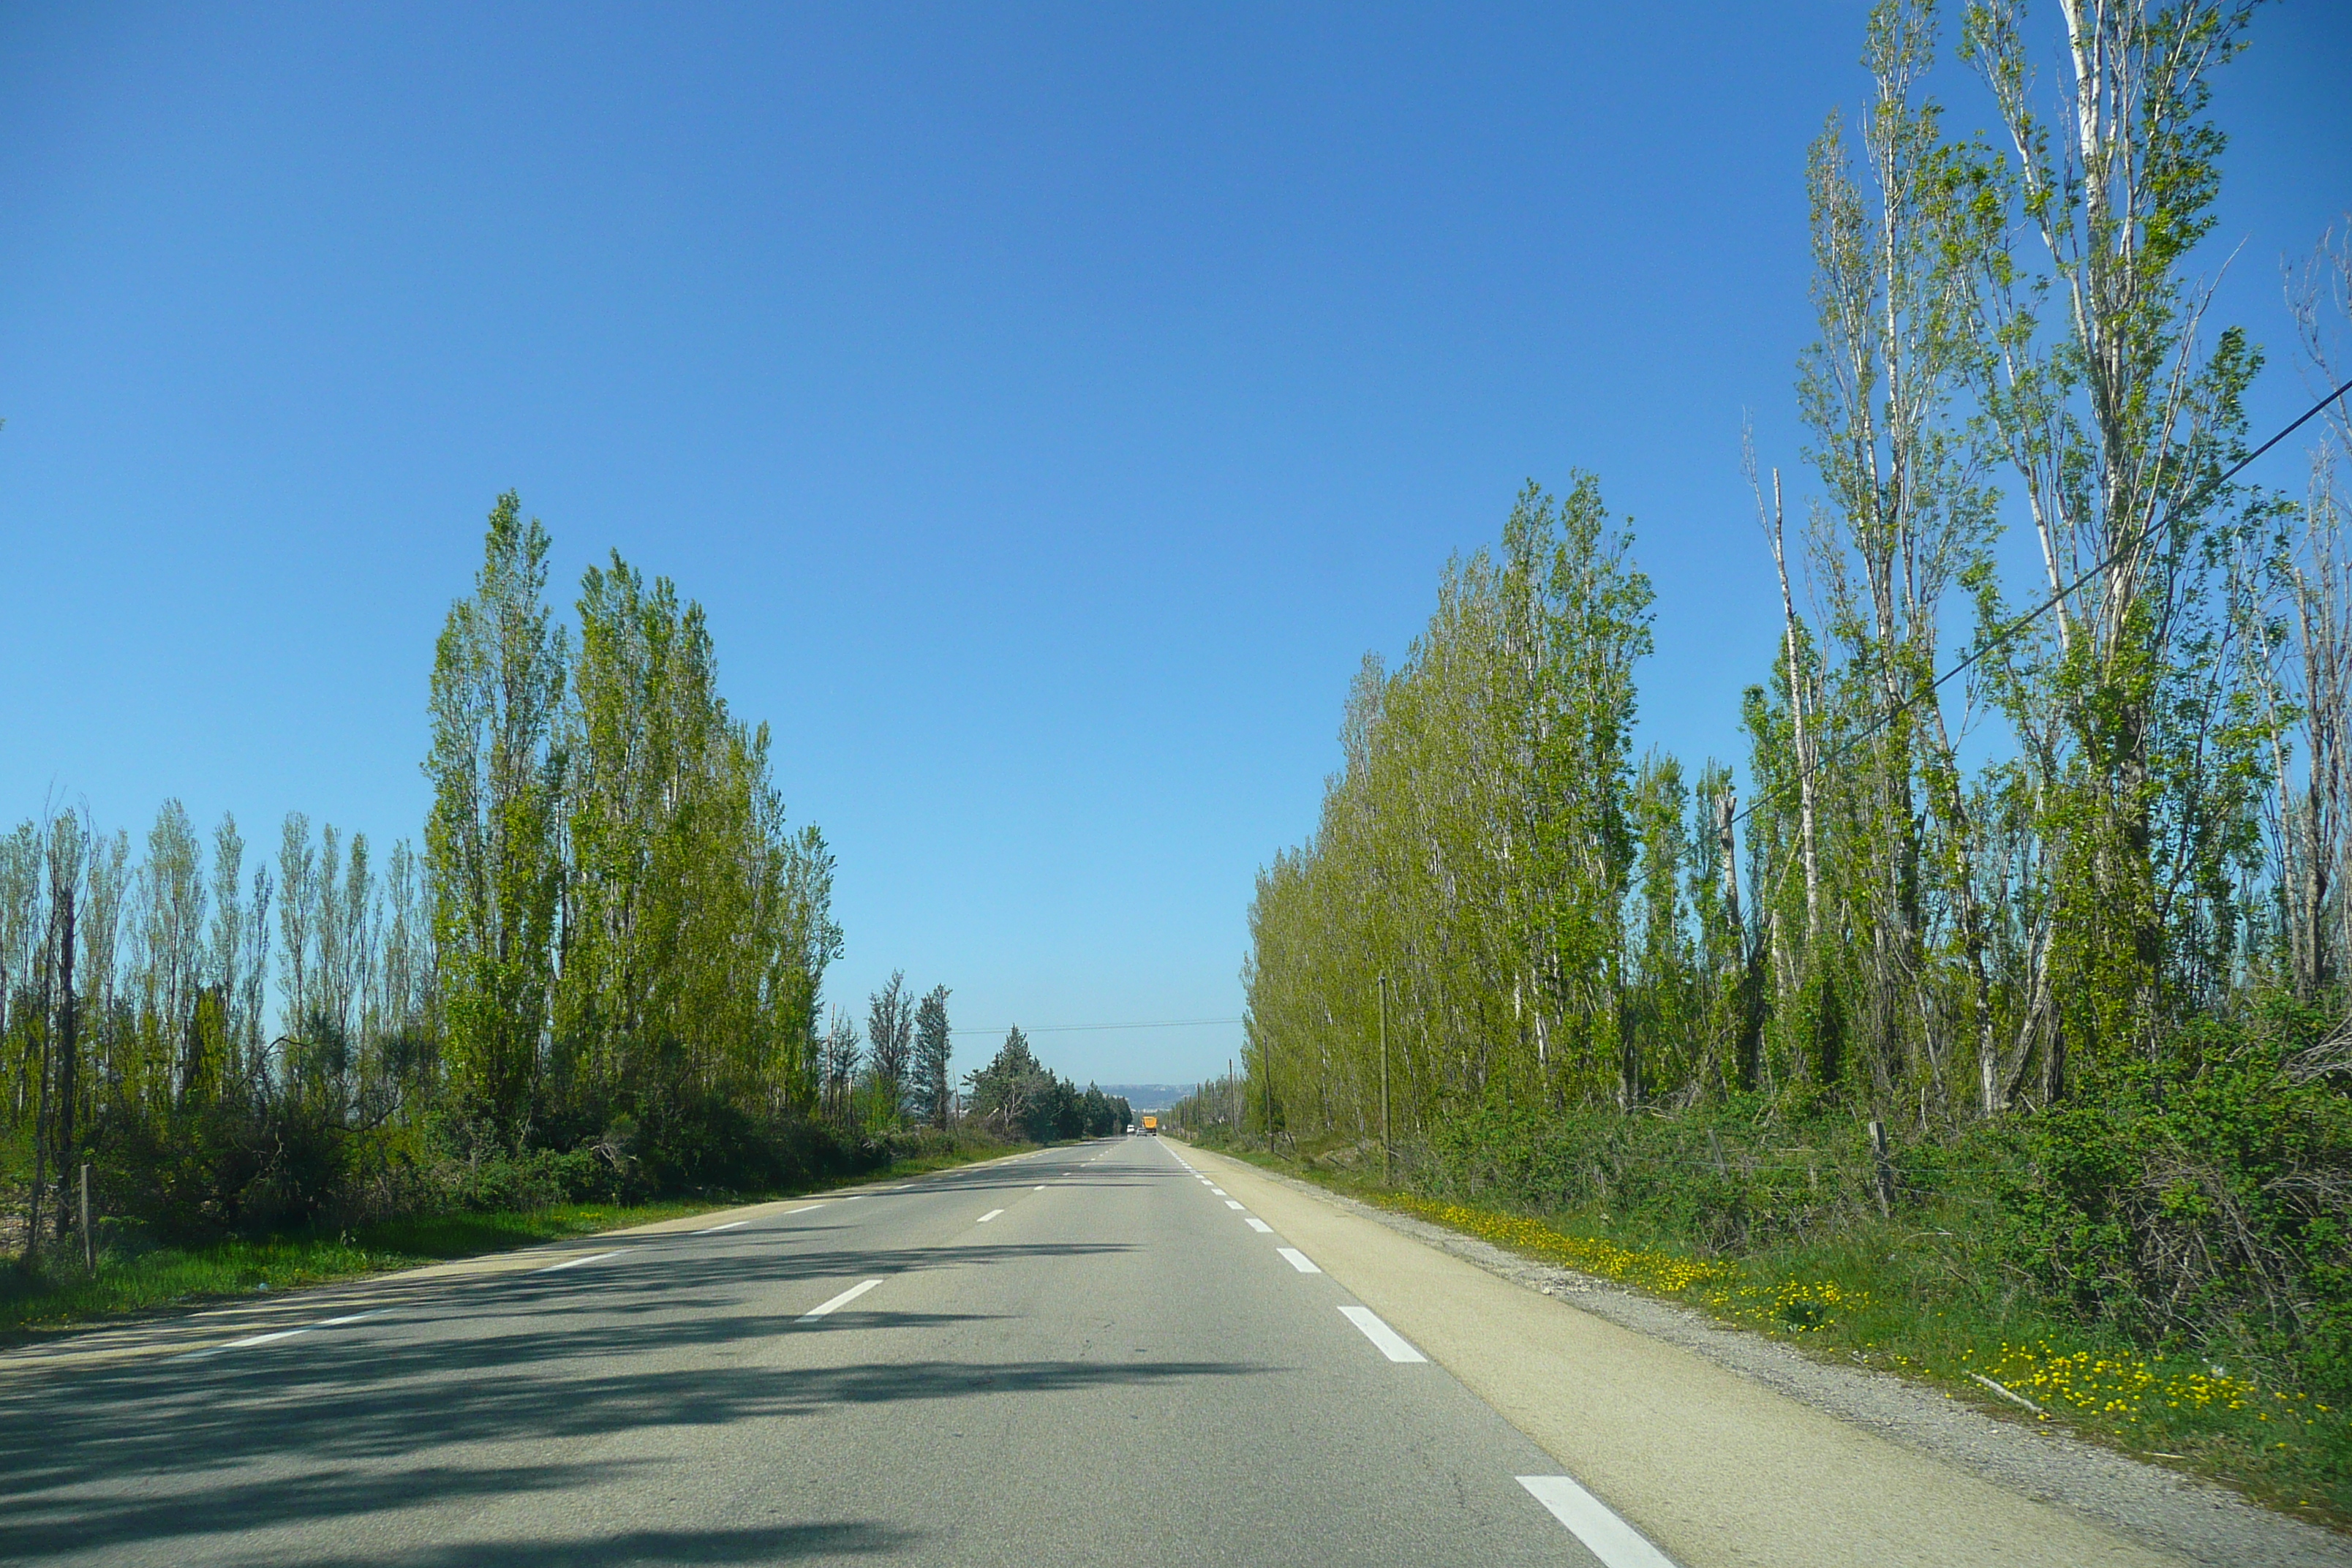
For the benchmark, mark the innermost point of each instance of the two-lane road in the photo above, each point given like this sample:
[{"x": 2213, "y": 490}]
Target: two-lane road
[{"x": 1086, "y": 1354}]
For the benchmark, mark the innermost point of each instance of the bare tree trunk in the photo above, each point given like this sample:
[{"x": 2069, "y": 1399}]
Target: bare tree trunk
[
  {"x": 40, "y": 1120},
  {"x": 1744, "y": 958},
  {"x": 69, "y": 1020},
  {"x": 1805, "y": 781},
  {"x": 1725, "y": 813}
]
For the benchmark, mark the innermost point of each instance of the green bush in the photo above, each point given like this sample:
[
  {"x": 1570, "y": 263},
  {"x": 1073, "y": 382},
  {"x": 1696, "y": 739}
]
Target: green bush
[
  {"x": 2201, "y": 1198},
  {"x": 2196, "y": 1203}
]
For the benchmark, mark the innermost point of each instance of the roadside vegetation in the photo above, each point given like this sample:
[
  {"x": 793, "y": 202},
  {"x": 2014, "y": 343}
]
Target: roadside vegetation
[
  {"x": 135, "y": 1275},
  {"x": 592, "y": 996},
  {"x": 1999, "y": 1028}
]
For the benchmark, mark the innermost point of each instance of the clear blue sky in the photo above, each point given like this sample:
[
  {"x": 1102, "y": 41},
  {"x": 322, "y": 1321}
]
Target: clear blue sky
[{"x": 1050, "y": 405}]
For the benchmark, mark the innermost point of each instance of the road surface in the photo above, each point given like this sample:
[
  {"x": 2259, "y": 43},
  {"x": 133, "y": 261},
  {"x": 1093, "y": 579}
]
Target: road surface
[{"x": 1082, "y": 1355}]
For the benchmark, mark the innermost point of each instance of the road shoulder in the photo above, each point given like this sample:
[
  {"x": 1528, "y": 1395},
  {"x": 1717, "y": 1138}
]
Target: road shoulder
[{"x": 1727, "y": 1448}]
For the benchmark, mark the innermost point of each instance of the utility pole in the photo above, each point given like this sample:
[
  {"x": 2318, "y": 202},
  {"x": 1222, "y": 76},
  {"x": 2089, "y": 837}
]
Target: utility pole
[{"x": 1384, "y": 1080}]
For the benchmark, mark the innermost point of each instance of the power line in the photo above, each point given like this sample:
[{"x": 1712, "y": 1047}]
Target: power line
[
  {"x": 2196, "y": 500},
  {"x": 1089, "y": 1029}
]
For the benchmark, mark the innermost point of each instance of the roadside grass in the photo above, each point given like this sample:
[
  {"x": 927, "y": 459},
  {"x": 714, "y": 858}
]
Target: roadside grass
[
  {"x": 134, "y": 1279},
  {"x": 1916, "y": 1297}
]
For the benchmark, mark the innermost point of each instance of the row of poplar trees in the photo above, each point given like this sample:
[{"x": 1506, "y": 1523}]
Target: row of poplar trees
[
  {"x": 622, "y": 919},
  {"x": 610, "y": 919},
  {"x": 2152, "y": 821}
]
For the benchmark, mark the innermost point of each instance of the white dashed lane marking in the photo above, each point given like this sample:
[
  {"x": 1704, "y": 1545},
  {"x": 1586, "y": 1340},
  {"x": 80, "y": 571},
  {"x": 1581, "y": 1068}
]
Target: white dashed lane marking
[
  {"x": 1617, "y": 1543},
  {"x": 1393, "y": 1345},
  {"x": 844, "y": 1299},
  {"x": 249, "y": 1340},
  {"x": 1257, "y": 1224},
  {"x": 989, "y": 1215},
  {"x": 1232, "y": 1205},
  {"x": 715, "y": 1229},
  {"x": 576, "y": 1262},
  {"x": 1299, "y": 1260}
]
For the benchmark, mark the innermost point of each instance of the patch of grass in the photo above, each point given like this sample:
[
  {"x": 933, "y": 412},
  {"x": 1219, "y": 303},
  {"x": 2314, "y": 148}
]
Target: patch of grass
[
  {"x": 420, "y": 1239},
  {"x": 59, "y": 1297},
  {"x": 1919, "y": 1297}
]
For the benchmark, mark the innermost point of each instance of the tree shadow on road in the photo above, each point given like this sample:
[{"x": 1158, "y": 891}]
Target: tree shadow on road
[
  {"x": 105, "y": 1464},
  {"x": 779, "y": 1543}
]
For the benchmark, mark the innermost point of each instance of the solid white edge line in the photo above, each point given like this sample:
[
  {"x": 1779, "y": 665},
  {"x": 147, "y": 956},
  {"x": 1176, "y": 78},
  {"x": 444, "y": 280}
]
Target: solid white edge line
[
  {"x": 1617, "y": 1543},
  {"x": 263, "y": 1338},
  {"x": 1257, "y": 1224},
  {"x": 844, "y": 1299},
  {"x": 1393, "y": 1345},
  {"x": 339, "y": 1322},
  {"x": 1299, "y": 1260},
  {"x": 715, "y": 1229},
  {"x": 989, "y": 1215},
  {"x": 576, "y": 1262}
]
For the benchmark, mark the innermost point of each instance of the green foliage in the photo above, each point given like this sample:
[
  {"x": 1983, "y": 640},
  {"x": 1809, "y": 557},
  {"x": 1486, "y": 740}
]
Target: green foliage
[
  {"x": 492, "y": 837},
  {"x": 599, "y": 980},
  {"x": 934, "y": 1048},
  {"x": 695, "y": 927},
  {"x": 1017, "y": 1096},
  {"x": 890, "y": 1042},
  {"x": 2200, "y": 1196},
  {"x": 1477, "y": 849},
  {"x": 2059, "y": 977}
]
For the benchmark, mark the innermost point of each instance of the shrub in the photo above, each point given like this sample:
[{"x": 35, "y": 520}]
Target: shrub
[{"x": 2200, "y": 1196}]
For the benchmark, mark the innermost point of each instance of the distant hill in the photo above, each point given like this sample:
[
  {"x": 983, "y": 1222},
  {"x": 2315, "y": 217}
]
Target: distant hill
[{"x": 1148, "y": 1096}]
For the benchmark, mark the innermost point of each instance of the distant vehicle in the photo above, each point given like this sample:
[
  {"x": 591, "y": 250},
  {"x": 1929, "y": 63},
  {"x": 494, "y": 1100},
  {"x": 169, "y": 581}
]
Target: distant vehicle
[
  {"x": 1131, "y": 1130},
  {"x": 1151, "y": 1125}
]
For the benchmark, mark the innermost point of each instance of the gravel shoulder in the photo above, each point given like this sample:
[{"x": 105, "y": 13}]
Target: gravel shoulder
[{"x": 2176, "y": 1516}]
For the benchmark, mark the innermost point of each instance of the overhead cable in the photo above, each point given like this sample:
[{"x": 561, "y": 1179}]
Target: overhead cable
[{"x": 2198, "y": 499}]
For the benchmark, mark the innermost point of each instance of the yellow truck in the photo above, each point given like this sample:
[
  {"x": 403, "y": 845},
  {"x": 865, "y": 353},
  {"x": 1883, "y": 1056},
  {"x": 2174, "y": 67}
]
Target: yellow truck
[{"x": 1152, "y": 1124}]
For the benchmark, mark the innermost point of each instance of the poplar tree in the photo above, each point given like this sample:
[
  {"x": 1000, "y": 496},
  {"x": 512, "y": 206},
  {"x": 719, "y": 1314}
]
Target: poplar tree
[
  {"x": 934, "y": 1047},
  {"x": 889, "y": 1037},
  {"x": 491, "y": 838},
  {"x": 2118, "y": 415}
]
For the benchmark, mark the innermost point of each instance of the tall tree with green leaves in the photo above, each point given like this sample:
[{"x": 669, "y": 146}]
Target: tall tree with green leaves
[
  {"x": 934, "y": 1048},
  {"x": 837, "y": 1059},
  {"x": 696, "y": 926},
  {"x": 2119, "y": 416},
  {"x": 493, "y": 836},
  {"x": 1907, "y": 517},
  {"x": 171, "y": 928},
  {"x": 890, "y": 1040},
  {"x": 1586, "y": 609}
]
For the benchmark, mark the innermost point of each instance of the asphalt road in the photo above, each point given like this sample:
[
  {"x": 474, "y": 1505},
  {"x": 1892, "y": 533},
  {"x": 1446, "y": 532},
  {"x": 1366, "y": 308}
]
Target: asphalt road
[{"x": 1084, "y": 1355}]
